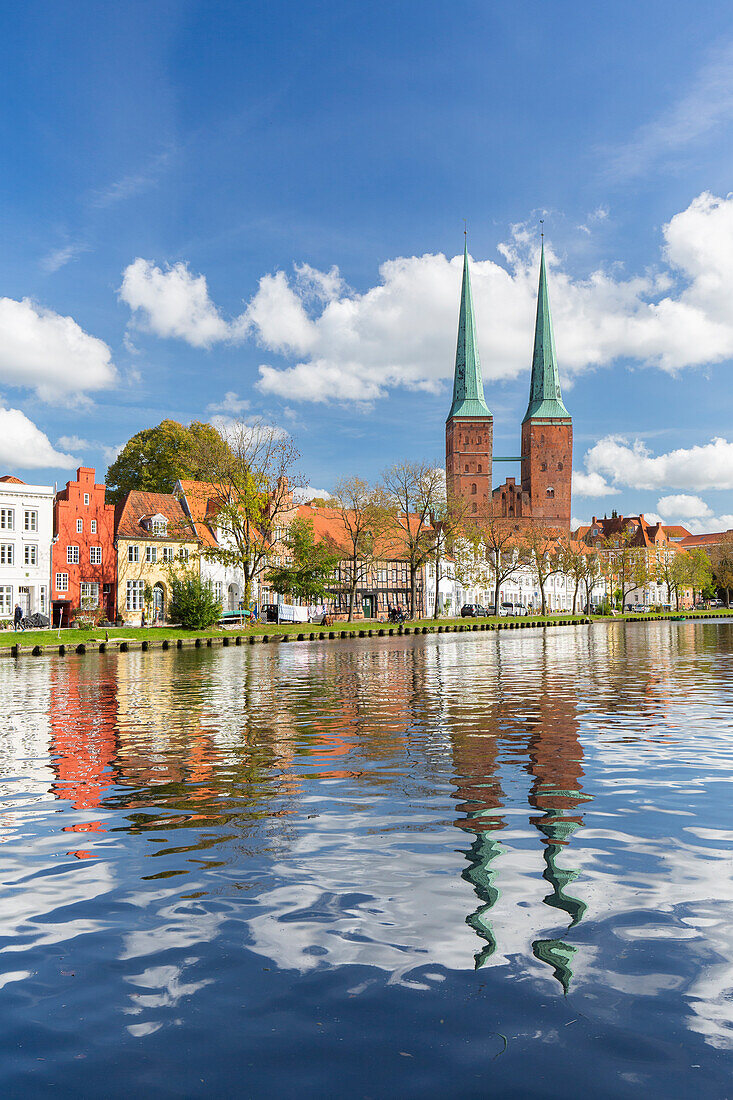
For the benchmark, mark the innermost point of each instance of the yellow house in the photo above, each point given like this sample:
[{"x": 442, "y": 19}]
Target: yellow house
[{"x": 152, "y": 535}]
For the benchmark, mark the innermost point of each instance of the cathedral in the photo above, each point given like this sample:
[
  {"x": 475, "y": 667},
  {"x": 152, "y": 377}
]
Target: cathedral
[{"x": 543, "y": 496}]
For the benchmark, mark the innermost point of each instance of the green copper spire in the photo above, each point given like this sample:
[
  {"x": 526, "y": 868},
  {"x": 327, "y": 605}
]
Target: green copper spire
[
  {"x": 545, "y": 398},
  {"x": 468, "y": 387}
]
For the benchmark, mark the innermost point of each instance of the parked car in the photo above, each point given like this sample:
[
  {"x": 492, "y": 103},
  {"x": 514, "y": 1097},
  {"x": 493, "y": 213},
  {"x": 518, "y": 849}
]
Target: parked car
[
  {"x": 716, "y": 603},
  {"x": 473, "y": 611},
  {"x": 639, "y": 608},
  {"x": 506, "y": 607}
]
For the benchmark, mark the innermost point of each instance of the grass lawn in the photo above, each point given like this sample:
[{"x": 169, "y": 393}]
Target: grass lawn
[{"x": 30, "y": 638}]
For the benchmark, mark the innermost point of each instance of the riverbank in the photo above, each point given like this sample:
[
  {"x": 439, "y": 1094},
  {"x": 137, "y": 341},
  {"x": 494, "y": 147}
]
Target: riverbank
[{"x": 37, "y": 643}]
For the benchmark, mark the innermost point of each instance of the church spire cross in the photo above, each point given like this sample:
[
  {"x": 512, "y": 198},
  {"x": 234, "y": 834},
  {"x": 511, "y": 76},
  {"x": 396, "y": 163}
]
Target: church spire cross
[
  {"x": 468, "y": 387},
  {"x": 545, "y": 395}
]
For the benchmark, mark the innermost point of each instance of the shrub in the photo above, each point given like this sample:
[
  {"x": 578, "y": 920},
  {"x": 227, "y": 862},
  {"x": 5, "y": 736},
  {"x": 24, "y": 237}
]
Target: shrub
[{"x": 193, "y": 603}]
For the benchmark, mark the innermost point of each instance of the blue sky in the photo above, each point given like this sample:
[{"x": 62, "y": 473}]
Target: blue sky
[{"x": 218, "y": 209}]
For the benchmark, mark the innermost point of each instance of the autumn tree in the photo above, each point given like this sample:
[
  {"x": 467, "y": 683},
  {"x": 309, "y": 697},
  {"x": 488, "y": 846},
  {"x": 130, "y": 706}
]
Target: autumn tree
[
  {"x": 251, "y": 474},
  {"x": 363, "y": 518},
  {"x": 447, "y": 518},
  {"x": 542, "y": 549},
  {"x": 154, "y": 459},
  {"x": 486, "y": 554},
  {"x": 308, "y": 572},
  {"x": 411, "y": 490},
  {"x": 576, "y": 562},
  {"x": 625, "y": 566}
]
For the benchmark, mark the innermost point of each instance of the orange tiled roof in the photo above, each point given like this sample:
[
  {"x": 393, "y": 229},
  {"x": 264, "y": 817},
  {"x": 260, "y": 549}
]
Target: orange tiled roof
[
  {"x": 138, "y": 506},
  {"x": 710, "y": 539},
  {"x": 328, "y": 525},
  {"x": 8, "y": 478},
  {"x": 202, "y": 500}
]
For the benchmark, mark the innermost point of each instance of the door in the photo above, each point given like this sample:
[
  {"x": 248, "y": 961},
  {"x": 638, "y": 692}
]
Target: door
[
  {"x": 233, "y": 597},
  {"x": 24, "y": 599},
  {"x": 158, "y": 603},
  {"x": 368, "y": 606}
]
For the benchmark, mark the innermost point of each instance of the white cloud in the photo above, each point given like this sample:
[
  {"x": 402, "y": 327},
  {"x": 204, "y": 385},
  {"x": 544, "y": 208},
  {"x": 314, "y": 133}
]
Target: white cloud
[
  {"x": 633, "y": 466},
  {"x": 683, "y": 506},
  {"x": 348, "y": 346},
  {"x": 112, "y": 452},
  {"x": 703, "y": 109},
  {"x": 59, "y": 257},
  {"x": 74, "y": 443},
  {"x": 235, "y": 428},
  {"x": 309, "y": 492},
  {"x": 591, "y": 485},
  {"x": 575, "y": 523},
  {"x": 231, "y": 403},
  {"x": 172, "y": 303},
  {"x": 51, "y": 354},
  {"x": 23, "y": 446}
]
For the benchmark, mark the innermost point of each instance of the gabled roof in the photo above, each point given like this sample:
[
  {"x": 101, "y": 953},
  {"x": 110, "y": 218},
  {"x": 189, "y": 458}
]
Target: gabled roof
[
  {"x": 545, "y": 397},
  {"x": 328, "y": 526},
  {"x": 138, "y": 506},
  {"x": 713, "y": 538},
  {"x": 202, "y": 502},
  {"x": 9, "y": 479},
  {"x": 468, "y": 386}
]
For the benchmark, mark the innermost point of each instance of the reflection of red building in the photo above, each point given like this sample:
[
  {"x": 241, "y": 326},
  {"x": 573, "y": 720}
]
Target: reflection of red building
[
  {"x": 83, "y": 557},
  {"x": 83, "y": 714}
]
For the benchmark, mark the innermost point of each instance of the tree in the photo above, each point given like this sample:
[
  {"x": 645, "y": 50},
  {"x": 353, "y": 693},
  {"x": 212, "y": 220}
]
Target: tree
[
  {"x": 364, "y": 517},
  {"x": 697, "y": 571},
  {"x": 575, "y": 562},
  {"x": 486, "y": 555},
  {"x": 309, "y": 573},
  {"x": 155, "y": 458},
  {"x": 411, "y": 491},
  {"x": 625, "y": 566},
  {"x": 669, "y": 571},
  {"x": 251, "y": 479},
  {"x": 721, "y": 560},
  {"x": 447, "y": 517},
  {"x": 192, "y": 602},
  {"x": 543, "y": 550}
]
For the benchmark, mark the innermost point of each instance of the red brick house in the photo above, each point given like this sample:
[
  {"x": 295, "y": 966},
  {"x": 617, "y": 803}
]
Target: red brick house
[{"x": 83, "y": 556}]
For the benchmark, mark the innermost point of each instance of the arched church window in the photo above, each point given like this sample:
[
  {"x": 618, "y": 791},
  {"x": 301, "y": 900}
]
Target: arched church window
[
  {"x": 466, "y": 468},
  {"x": 480, "y": 468},
  {"x": 473, "y": 489},
  {"x": 475, "y": 508},
  {"x": 559, "y": 465},
  {"x": 550, "y": 492}
]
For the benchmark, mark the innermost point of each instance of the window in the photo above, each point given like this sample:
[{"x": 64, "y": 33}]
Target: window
[
  {"x": 151, "y": 554},
  {"x": 217, "y": 588},
  {"x": 6, "y": 599},
  {"x": 474, "y": 508},
  {"x": 480, "y": 468},
  {"x": 79, "y": 526},
  {"x": 7, "y": 519},
  {"x": 278, "y": 534},
  {"x": 42, "y": 599},
  {"x": 159, "y": 526},
  {"x": 473, "y": 488},
  {"x": 30, "y": 521},
  {"x": 89, "y": 594},
  {"x": 135, "y": 593},
  {"x": 30, "y": 555},
  {"x": 6, "y": 553},
  {"x": 93, "y": 526},
  {"x": 86, "y": 499},
  {"x": 543, "y": 466},
  {"x": 466, "y": 469},
  {"x": 133, "y": 553},
  {"x": 183, "y": 553},
  {"x": 559, "y": 465},
  {"x": 62, "y": 582},
  {"x": 95, "y": 555},
  {"x": 72, "y": 555},
  {"x": 550, "y": 492},
  {"x": 167, "y": 553}
]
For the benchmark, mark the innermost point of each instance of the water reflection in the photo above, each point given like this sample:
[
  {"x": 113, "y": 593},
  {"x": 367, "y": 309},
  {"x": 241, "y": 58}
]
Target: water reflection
[{"x": 550, "y": 807}]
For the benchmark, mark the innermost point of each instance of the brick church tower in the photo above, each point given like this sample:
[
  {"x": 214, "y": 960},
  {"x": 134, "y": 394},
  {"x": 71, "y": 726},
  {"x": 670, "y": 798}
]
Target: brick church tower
[
  {"x": 469, "y": 428},
  {"x": 547, "y": 428}
]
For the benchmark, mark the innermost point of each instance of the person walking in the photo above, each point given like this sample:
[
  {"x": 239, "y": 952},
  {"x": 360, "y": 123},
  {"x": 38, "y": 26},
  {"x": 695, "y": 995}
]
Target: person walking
[{"x": 18, "y": 618}]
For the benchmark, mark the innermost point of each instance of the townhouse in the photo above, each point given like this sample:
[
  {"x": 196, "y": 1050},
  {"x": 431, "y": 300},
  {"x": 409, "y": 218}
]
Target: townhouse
[
  {"x": 202, "y": 504},
  {"x": 655, "y": 545},
  {"x": 26, "y": 525},
  {"x": 153, "y": 536},
  {"x": 83, "y": 565}
]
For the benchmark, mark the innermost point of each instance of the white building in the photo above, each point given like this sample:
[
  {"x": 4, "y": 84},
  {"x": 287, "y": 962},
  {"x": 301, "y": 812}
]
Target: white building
[
  {"x": 199, "y": 502},
  {"x": 26, "y": 533}
]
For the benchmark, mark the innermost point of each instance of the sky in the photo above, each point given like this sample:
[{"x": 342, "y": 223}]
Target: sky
[{"x": 222, "y": 210}]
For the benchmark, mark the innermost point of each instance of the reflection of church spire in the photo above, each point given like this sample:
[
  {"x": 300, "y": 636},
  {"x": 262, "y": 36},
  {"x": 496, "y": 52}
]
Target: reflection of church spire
[{"x": 480, "y": 874}]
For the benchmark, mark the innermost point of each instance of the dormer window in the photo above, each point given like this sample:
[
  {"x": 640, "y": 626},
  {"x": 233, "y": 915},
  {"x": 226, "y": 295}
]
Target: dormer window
[{"x": 158, "y": 525}]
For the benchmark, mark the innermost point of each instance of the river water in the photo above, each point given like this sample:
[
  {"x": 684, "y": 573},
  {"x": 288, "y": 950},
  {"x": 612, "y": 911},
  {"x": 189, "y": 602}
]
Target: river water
[{"x": 485, "y": 864}]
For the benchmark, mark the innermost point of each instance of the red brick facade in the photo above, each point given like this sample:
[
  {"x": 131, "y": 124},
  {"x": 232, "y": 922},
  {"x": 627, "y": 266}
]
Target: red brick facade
[
  {"x": 468, "y": 454},
  {"x": 83, "y": 550},
  {"x": 547, "y": 469}
]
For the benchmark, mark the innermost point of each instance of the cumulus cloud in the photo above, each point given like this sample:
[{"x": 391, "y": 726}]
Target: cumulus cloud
[
  {"x": 237, "y": 430},
  {"x": 683, "y": 506},
  {"x": 51, "y": 354},
  {"x": 23, "y": 446},
  {"x": 231, "y": 403},
  {"x": 591, "y": 485},
  {"x": 349, "y": 346},
  {"x": 309, "y": 492},
  {"x": 74, "y": 443},
  {"x": 633, "y": 466},
  {"x": 172, "y": 302}
]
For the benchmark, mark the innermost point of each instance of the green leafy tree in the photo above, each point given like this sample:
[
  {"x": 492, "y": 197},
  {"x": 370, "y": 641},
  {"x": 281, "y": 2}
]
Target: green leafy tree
[
  {"x": 309, "y": 573},
  {"x": 721, "y": 560},
  {"x": 155, "y": 458},
  {"x": 192, "y": 602},
  {"x": 364, "y": 519}
]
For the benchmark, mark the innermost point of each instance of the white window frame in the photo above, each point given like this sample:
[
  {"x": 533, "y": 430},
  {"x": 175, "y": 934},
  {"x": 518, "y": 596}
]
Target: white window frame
[
  {"x": 151, "y": 555},
  {"x": 7, "y": 519},
  {"x": 6, "y": 599},
  {"x": 7, "y": 553},
  {"x": 133, "y": 553},
  {"x": 72, "y": 555},
  {"x": 30, "y": 554},
  {"x": 79, "y": 526},
  {"x": 91, "y": 593},
  {"x": 61, "y": 582},
  {"x": 159, "y": 527},
  {"x": 134, "y": 595},
  {"x": 87, "y": 499},
  {"x": 93, "y": 526},
  {"x": 30, "y": 520},
  {"x": 168, "y": 553},
  {"x": 95, "y": 555}
]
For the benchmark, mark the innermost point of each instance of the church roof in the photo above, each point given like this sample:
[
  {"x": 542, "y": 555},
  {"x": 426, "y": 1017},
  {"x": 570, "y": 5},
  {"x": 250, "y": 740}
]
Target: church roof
[
  {"x": 468, "y": 386},
  {"x": 545, "y": 397}
]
